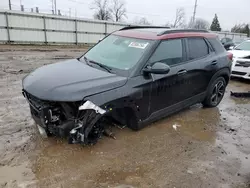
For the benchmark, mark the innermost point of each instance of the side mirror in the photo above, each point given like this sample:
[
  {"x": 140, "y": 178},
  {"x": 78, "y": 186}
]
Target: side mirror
[
  {"x": 100, "y": 40},
  {"x": 157, "y": 68}
]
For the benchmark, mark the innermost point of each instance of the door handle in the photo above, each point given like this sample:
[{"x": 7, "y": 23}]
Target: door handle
[
  {"x": 214, "y": 62},
  {"x": 181, "y": 72}
]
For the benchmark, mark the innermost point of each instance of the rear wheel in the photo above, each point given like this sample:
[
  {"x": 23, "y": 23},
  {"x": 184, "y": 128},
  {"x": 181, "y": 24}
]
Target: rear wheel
[{"x": 215, "y": 93}]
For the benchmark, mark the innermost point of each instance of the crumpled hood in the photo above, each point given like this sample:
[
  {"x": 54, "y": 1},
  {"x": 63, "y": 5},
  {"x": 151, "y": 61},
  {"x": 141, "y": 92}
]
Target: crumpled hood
[
  {"x": 240, "y": 53},
  {"x": 69, "y": 81}
]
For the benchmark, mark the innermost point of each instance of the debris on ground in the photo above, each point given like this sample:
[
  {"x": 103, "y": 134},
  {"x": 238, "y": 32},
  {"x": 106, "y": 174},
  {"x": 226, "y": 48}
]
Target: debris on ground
[
  {"x": 13, "y": 71},
  {"x": 189, "y": 171},
  {"x": 109, "y": 133},
  {"x": 231, "y": 130},
  {"x": 240, "y": 94},
  {"x": 175, "y": 126}
]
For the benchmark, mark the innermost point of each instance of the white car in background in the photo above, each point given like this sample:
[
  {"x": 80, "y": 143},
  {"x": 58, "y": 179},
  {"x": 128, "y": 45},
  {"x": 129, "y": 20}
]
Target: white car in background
[{"x": 241, "y": 60}]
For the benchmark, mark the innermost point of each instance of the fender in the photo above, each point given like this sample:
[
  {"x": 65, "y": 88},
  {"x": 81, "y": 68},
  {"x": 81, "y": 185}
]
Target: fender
[
  {"x": 224, "y": 72},
  {"x": 114, "y": 99},
  {"x": 121, "y": 104}
]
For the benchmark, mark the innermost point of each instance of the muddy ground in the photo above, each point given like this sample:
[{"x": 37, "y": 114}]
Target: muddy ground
[{"x": 211, "y": 148}]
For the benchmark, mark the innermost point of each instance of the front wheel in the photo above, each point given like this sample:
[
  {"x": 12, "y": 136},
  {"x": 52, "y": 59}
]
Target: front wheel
[{"x": 215, "y": 93}]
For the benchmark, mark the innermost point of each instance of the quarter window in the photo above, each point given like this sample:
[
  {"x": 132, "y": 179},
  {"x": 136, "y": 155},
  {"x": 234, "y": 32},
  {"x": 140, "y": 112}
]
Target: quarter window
[
  {"x": 197, "y": 48},
  {"x": 169, "y": 52}
]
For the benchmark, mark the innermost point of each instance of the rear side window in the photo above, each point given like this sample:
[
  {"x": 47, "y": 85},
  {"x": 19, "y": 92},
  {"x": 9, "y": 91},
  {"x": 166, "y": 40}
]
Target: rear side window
[
  {"x": 197, "y": 48},
  {"x": 169, "y": 52},
  {"x": 216, "y": 44}
]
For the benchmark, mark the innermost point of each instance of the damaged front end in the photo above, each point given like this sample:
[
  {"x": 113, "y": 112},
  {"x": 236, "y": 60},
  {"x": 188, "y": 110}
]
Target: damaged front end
[{"x": 80, "y": 122}]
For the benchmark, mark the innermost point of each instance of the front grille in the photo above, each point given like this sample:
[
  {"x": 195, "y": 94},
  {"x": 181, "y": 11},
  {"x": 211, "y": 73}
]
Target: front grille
[
  {"x": 239, "y": 73},
  {"x": 242, "y": 64},
  {"x": 248, "y": 57},
  {"x": 36, "y": 103}
]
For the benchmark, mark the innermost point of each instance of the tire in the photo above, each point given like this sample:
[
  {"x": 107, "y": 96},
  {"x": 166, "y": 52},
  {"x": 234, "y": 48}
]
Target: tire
[{"x": 215, "y": 92}]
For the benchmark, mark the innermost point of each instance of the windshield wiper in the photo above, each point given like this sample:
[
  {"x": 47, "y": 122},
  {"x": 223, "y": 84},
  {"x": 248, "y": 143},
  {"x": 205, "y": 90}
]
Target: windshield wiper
[{"x": 99, "y": 64}]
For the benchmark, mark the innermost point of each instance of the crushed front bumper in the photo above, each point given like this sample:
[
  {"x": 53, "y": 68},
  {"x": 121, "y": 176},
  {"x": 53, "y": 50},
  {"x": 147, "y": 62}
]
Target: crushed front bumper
[{"x": 79, "y": 129}]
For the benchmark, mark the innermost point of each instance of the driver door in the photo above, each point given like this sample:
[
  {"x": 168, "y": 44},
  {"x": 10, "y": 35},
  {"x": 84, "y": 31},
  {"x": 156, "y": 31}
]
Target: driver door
[{"x": 169, "y": 89}]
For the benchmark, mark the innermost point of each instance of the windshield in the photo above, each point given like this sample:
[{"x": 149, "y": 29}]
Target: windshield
[
  {"x": 244, "y": 46},
  {"x": 118, "y": 52}
]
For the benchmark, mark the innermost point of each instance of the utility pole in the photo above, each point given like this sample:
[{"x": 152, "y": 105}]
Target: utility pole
[
  {"x": 55, "y": 7},
  {"x": 9, "y": 5},
  {"x": 194, "y": 14},
  {"x": 21, "y": 5},
  {"x": 69, "y": 12},
  {"x": 52, "y": 7}
]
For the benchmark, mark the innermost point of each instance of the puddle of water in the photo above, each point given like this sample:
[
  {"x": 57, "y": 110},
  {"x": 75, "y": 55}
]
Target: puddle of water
[
  {"x": 133, "y": 176},
  {"x": 147, "y": 158},
  {"x": 130, "y": 157},
  {"x": 196, "y": 122}
]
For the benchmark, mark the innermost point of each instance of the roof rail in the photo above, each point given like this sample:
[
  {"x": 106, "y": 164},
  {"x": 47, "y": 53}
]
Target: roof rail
[
  {"x": 143, "y": 27},
  {"x": 182, "y": 30}
]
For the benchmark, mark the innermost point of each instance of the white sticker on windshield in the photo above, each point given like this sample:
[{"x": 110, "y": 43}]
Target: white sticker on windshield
[{"x": 138, "y": 45}]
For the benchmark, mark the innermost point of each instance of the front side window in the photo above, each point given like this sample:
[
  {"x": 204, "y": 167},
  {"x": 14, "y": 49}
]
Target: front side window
[
  {"x": 169, "y": 52},
  {"x": 198, "y": 48},
  {"x": 118, "y": 52}
]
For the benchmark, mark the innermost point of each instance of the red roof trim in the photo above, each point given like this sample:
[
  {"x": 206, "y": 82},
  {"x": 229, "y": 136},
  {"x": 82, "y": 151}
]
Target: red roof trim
[
  {"x": 184, "y": 35},
  {"x": 137, "y": 34},
  {"x": 154, "y": 36}
]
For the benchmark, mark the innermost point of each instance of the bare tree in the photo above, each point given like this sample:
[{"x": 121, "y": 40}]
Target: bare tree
[
  {"x": 118, "y": 10},
  {"x": 179, "y": 18},
  {"x": 237, "y": 28},
  {"x": 241, "y": 28},
  {"x": 200, "y": 23},
  {"x": 142, "y": 21},
  {"x": 101, "y": 10}
]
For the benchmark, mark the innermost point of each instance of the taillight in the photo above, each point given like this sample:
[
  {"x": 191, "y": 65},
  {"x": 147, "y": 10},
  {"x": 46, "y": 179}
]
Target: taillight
[{"x": 230, "y": 56}]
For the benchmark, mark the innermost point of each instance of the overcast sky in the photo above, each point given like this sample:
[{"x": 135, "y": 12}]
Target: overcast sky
[{"x": 158, "y": 12}]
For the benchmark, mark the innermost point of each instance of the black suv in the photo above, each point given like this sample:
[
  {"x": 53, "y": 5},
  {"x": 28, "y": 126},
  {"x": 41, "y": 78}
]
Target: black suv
[{"x": 132, "y": 77}]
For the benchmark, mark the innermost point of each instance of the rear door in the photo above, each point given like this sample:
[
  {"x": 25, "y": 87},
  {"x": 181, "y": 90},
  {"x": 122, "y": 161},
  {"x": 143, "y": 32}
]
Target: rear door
[{"x": 201, "y": 64}]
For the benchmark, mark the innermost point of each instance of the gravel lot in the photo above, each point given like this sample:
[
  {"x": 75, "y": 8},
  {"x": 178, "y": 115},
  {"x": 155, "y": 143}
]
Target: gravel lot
[{"x": 211, "y": 148}]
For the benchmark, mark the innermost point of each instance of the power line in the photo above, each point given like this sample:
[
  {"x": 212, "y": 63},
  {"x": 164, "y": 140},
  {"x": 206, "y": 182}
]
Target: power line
[
  {"x": 134, "y": 13},
  {"x": 79, "y": 2},
  {"x": 69, "y": 11}
]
